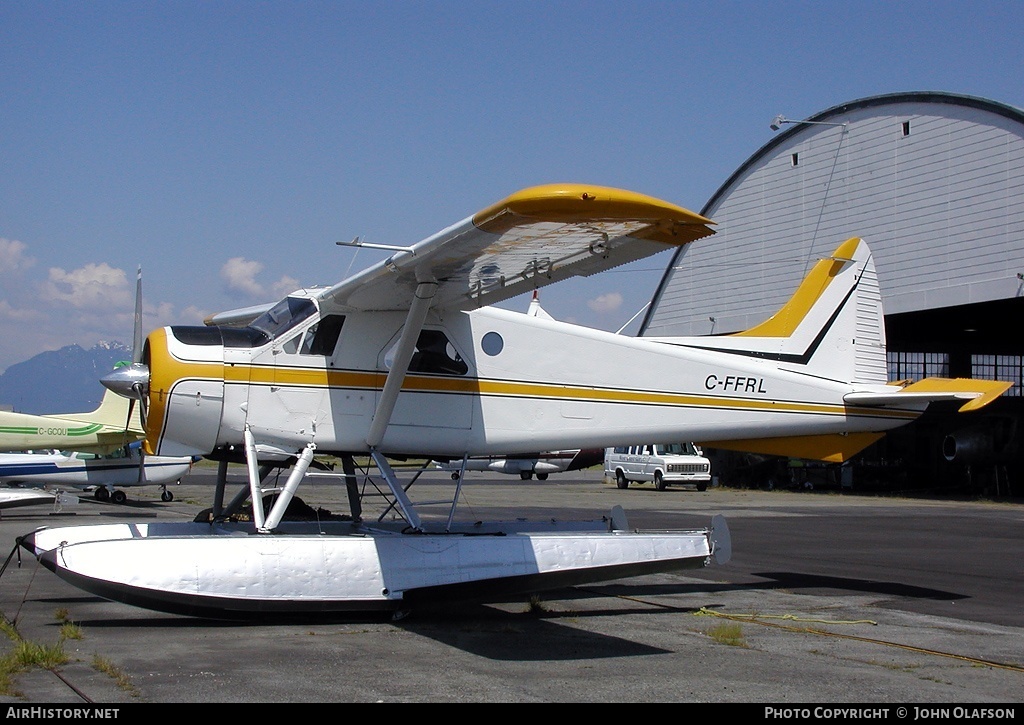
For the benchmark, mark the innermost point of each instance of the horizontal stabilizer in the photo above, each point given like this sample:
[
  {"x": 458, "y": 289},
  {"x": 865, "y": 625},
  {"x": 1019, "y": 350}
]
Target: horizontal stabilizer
[
  {"x": 977, "y": 393},
  {"x": 833, "y": 448}
]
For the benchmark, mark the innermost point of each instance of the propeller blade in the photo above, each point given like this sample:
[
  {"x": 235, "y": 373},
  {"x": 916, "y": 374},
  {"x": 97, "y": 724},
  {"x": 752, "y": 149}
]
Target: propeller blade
[
  {"x": 137, "y": 337},
  {"x": 140, "y": 392}
]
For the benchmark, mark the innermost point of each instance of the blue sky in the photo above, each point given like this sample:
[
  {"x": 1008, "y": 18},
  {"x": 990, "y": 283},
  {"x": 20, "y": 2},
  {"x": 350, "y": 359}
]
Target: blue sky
[{"x": 226, "y": 146}]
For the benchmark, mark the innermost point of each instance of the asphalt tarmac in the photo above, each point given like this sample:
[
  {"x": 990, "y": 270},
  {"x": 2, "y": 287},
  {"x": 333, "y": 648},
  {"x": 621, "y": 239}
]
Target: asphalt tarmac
[{"x": 834, "y": 599}]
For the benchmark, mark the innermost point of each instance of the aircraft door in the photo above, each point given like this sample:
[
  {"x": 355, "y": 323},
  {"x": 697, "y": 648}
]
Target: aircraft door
[
  {"x": 425, "y": 391},
  {"x": 295, "y": 397}
]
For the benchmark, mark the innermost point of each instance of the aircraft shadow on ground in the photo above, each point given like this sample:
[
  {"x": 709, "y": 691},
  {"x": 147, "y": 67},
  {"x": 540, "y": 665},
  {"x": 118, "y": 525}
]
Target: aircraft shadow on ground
[
  {"x": 522, "y": 637},
  {"x": 796, "y": 580}
]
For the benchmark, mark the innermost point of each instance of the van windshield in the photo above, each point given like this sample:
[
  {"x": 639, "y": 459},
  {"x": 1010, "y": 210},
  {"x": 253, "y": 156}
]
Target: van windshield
[{"x": 677, "y": 449}]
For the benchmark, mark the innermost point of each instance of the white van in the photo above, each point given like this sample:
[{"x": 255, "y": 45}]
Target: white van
[{"x": 665, "y": 465}]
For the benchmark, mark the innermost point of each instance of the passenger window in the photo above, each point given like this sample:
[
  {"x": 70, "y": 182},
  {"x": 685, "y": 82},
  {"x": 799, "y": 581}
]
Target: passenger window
[{"x": 434, "y": 353}]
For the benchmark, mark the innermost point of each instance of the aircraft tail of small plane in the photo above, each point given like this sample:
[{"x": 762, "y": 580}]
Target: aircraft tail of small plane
[
  {"x": 112, "y": 411},
  {"x": 833, "y": 328}
]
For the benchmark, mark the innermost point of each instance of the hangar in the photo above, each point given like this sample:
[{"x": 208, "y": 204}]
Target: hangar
[{"x": 935, "y": 183}]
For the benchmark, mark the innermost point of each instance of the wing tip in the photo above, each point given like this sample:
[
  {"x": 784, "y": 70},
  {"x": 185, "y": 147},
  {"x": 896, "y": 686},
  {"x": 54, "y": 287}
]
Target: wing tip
[{"x": 571, "y": 202}]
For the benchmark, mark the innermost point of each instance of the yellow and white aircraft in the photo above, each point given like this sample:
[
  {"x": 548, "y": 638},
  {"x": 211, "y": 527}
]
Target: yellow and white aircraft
[{"x": 409, "y": 358}]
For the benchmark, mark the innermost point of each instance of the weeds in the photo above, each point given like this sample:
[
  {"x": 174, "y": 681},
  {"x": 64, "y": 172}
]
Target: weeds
[{"x": 731, "y": 634}]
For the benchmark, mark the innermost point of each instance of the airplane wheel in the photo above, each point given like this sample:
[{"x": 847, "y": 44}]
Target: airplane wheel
[
  {"x": 455, "y": 476},
  {"x": 101, "y": 494},
  {"x": 166, "y": 496},
  {"x": 542, "y": 476},
  {"x": 526, "y": 475},
  {"x": 620, "y": 480},
  {"x": 659, "y": 482},
  {"x": 118, "y": 497}
]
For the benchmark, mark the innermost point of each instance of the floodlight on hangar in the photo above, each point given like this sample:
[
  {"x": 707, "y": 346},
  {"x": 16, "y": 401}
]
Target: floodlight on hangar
[{"x": 777, "y": 122}]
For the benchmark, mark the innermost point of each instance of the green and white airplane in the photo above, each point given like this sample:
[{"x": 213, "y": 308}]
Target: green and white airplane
[{"x": 114, "y": 424}]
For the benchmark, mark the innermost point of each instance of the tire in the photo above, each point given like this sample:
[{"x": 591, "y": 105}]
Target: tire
[
  {"x": 659, "y": 482},
  {"x": 102, "y": 494},
  {"x": 620, "y": 479},
  {"x": 542, "y": 476},
  {"x": 166, "y": 496},
  {"x": 118, "y": 497},
  {"x": 526, "y": 475},
  {"x": 702, "y": 487}
]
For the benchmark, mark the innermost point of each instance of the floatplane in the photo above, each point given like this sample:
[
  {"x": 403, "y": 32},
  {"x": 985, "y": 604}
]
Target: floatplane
[{"x": 410, "y": 358}]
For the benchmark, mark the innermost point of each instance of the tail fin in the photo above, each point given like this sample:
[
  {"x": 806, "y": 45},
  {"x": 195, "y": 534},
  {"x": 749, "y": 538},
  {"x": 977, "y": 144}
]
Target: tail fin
[
  {"x": 832, "y": 326},
  {"x": 113, "y": 412}
]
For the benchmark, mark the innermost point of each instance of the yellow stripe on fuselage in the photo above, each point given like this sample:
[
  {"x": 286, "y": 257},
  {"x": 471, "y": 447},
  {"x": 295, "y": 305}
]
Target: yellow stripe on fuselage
[{"x": 372, "y": 381}]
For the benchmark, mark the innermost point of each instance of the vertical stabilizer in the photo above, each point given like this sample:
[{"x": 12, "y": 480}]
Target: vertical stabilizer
[{"x": 832, "y": 326}]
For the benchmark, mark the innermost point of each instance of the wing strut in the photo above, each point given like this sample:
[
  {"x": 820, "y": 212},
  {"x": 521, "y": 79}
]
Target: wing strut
[
  {"x": 403, "y": 356},
  {"x": 392, "y": 387}
]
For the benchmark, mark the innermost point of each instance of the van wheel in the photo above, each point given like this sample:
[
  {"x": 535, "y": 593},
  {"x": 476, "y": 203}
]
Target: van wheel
[
  {"x": 620, "y": 480},
  {"x": 702, "y": 487},
  {"x": 659, "y": 482}
]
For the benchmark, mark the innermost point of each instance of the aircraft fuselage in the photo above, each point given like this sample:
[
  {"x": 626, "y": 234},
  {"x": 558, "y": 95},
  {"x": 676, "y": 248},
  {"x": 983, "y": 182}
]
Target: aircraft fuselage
[{"x": 482, "y": 382}]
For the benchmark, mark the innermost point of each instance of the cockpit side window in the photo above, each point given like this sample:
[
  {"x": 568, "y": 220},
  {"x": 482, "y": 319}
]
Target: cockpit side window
[
  {"x": 322, "y": 338},
  {"x": 283, "y": 316}
]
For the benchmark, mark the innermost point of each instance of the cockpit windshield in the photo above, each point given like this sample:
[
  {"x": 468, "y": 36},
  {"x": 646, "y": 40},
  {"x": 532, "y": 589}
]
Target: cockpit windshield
[{"x": 283, "y": 316}]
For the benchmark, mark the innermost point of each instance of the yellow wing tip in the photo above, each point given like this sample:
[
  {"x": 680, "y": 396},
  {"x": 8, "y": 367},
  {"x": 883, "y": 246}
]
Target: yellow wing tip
[{"x": 581, "y": 202}]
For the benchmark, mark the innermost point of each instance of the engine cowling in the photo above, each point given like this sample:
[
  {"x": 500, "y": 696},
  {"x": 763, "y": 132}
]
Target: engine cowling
[{"x": 186, "y": 390}]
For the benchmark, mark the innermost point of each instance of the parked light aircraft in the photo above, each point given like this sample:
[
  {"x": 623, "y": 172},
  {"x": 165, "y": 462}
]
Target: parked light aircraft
[
  {"x": 17, "y": 497},
  {"x": 103, "y": 430},
  {"x": 409, "y": 358},
  {"x": 113, "y": 424},
  {"x": 527, "y": 465},
  {"x": 104, "y": 474}
]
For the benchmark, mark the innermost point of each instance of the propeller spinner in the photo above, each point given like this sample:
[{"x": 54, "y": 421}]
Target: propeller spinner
[{"x": 130, "y": 381}]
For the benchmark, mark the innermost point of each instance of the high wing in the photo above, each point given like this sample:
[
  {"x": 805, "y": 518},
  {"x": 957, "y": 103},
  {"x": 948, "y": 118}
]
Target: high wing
[
  {"x": 533, "y": 238},
  {"x": 537, "y": 236}
]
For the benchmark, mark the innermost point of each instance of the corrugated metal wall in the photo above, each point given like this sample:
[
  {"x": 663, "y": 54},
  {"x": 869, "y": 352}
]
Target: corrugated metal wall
[{"x": 933, "y": 182}]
